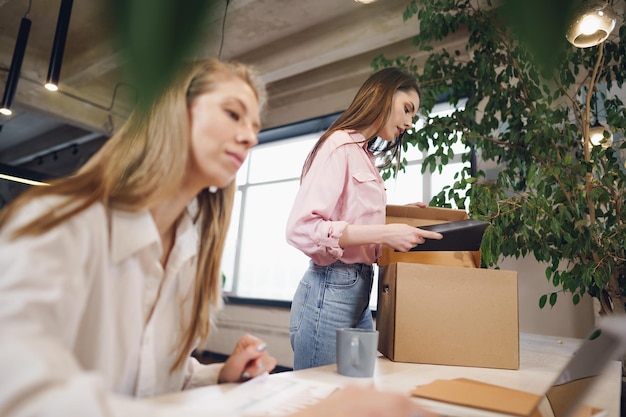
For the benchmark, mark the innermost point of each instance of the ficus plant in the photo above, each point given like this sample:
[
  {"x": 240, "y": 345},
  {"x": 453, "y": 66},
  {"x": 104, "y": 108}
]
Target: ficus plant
[{"x": 553, "y": 195}]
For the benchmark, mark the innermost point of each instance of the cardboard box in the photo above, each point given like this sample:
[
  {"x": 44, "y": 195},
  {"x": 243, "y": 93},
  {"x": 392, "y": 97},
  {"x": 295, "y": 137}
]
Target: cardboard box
[{"x": 453, "y": 313}]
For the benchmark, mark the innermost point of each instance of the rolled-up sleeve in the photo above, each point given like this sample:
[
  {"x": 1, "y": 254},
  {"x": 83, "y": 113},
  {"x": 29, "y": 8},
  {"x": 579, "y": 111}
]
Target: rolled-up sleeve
[{"x": 309, "y": 227}]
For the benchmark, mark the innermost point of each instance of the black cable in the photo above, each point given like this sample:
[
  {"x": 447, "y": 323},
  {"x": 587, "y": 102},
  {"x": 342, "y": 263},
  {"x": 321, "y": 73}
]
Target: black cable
[
  {"x": 219, "y": 54},
  {"x": 117, "y": 86},
  {"x": 73, "y": 96},
  {"x": 30, "y": 3}
]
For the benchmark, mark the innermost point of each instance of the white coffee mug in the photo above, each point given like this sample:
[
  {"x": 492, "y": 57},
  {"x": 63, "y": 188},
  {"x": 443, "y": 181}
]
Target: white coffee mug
[{"x": 357, "y": 350}]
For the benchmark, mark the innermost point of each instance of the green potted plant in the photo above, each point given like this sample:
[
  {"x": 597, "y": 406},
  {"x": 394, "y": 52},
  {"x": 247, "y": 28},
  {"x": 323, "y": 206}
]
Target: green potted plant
[{"x": 554, "y": 195}]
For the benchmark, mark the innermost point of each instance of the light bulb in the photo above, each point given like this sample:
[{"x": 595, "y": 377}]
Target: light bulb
[
  {"x": 589, "y": 24},
  {"x": 597, "y": 136}
]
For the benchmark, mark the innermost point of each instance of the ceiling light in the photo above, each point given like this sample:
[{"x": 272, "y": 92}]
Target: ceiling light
[
  {"x": 58, "y": 45},
  {"x": 21, "y": 180},
  {"x": 593, "y": 22},
  {"x": 365, "y": 1},
  {"x": 16, "y": 66}
]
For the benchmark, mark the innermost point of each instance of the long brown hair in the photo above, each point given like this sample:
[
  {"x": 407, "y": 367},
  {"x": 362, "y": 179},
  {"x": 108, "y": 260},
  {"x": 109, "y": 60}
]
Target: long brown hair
[
  {"x": 143, "y": 163},
  {"x": 370, "y": 107}
]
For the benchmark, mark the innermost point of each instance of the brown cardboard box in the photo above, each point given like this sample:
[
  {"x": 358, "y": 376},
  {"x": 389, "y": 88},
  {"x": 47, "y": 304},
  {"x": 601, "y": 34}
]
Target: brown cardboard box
[{"x": 453, "y": 313}]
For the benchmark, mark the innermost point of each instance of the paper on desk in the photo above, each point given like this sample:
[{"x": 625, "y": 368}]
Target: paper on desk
[{"x": 276, "y": 396}]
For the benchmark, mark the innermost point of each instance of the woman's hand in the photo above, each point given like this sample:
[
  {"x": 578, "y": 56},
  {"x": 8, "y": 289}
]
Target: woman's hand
[
  {"x": 364, "y": 402},
  {"x": 248, "y": 359},
  {"x": 418, "y": 204},
  {"x": 403, "y": 237}
]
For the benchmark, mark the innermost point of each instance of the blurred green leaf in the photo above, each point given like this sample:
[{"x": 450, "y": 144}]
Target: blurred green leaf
[
  {"x": 156, "y": 37},
  {"x": 541, "y": 25}
]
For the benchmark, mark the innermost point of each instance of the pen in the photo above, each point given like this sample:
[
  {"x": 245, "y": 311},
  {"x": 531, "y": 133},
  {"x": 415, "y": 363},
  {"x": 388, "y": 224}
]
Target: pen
[{"x": 260, "y": 348}]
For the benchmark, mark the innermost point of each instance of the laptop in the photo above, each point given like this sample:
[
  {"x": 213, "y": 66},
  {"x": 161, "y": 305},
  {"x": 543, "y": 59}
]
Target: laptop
[
  {"x": 604, "y": 344},
  {"x": 563, "y": 398}
]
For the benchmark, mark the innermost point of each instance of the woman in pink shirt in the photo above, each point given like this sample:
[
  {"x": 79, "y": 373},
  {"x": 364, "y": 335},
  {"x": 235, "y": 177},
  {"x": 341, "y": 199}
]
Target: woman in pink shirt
[{"x": 338, "y": 217}]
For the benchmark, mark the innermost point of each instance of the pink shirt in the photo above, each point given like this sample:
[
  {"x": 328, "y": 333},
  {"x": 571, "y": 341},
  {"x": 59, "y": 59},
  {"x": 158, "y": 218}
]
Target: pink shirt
[{"x": 343, "y": 186}]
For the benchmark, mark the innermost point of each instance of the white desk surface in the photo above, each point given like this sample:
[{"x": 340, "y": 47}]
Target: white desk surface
[{"x": 541, "y": 359}]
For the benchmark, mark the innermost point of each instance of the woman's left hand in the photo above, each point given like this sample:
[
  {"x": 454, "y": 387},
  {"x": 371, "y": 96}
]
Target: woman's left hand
[{"x": 248, "y": 359}]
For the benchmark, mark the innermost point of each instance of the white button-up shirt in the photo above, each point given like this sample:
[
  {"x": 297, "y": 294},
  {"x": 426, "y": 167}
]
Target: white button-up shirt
[{"x": 88, "y": 316}]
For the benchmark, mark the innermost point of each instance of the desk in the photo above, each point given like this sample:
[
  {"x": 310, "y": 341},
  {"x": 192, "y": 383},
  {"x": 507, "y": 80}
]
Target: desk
[{"x": 541, "y": 359}]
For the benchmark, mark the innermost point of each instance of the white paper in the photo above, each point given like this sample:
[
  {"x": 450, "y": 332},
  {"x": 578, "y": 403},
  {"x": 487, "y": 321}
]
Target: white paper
[{"x": 276, "y": 396}]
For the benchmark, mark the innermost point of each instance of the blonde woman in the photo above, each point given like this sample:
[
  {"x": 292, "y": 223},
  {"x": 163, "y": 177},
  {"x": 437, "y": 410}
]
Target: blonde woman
[{"x": 110, "y": 277}]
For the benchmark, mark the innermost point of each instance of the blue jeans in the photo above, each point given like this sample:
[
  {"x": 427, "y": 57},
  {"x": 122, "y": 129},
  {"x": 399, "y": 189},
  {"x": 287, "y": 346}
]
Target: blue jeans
[{"x": 328, "y": 298}]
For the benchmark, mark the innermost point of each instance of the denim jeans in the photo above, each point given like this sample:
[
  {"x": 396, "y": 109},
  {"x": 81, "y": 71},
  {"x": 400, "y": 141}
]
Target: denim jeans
[{"x": 328, "y": 298}]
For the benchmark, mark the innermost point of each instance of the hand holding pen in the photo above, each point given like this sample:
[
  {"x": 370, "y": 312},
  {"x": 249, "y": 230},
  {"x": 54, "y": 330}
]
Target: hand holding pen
[{"x": 248, "y": 360}]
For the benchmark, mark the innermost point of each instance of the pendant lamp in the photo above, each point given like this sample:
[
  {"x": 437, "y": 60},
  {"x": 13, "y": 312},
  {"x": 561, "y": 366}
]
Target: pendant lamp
[
  {"x": 58, "y": 46},
  {"x": 16, "y": 66},
  {"x": 593, "y": 21},
  {"x": 599, "y": 135}
]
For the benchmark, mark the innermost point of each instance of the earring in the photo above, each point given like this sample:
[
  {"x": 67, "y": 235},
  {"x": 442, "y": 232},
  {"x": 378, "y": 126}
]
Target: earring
[{"x": 213, "y": 189}]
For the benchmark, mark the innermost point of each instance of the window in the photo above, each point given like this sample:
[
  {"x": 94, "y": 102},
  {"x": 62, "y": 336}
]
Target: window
[
  {"x": 263, "y": 265},
  {"x": 258, "y": 263}
]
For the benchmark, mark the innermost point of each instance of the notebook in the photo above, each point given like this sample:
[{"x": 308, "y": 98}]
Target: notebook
[
  {"x": 606, "y": 343},
  {"x": 461, "y": 235}
]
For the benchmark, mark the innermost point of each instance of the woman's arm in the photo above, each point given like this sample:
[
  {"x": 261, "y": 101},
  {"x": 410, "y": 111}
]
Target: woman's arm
[
  {"x": 401, "y": 237},
  {"x": 309, "y": 227}
]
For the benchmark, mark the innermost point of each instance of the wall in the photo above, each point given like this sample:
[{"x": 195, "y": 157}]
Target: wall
[
  {"x": 564, "y": 319},
  {"x": 269, "y": 323}
]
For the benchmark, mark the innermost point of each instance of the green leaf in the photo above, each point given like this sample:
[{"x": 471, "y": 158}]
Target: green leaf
[
  {"x": 548, "y": 273},
  {"x": 553, "y": 299},
  {"x": 156, "y": 37}
]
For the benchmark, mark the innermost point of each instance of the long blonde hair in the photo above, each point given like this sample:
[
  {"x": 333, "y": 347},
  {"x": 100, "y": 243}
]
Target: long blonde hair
[{"x": 143, "y": 163}]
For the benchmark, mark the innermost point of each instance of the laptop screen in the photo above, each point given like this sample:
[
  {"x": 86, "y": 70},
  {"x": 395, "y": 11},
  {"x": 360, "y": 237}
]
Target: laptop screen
[{"x": 603, "y": 345}]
